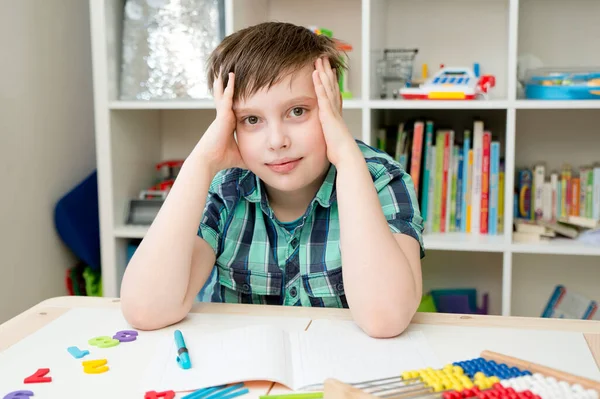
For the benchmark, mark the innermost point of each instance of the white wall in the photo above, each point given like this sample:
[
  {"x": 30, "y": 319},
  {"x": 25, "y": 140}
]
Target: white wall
[{"x": 46, "y": 141}]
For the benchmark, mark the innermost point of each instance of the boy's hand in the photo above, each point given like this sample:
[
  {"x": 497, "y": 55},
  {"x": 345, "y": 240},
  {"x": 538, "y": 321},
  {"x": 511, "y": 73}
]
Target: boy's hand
[
  {"x": 337, "y": 137},
  {"x": 217, "y": 146}
]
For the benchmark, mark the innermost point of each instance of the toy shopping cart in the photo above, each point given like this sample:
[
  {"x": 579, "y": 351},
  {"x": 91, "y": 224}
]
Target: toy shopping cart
[{"x": 394, "y": 71}]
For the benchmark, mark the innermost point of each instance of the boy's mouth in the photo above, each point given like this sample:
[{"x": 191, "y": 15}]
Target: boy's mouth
[{"x": 284, "y": 165}]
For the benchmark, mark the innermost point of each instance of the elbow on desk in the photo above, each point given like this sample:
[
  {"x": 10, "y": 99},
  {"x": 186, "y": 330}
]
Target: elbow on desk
[
  {"x": 387, "y": 323},
  {"x": 147, "y": 318}
]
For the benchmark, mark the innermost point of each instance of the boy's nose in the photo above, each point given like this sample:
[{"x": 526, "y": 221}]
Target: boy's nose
[{"x": 278, "y": 138}]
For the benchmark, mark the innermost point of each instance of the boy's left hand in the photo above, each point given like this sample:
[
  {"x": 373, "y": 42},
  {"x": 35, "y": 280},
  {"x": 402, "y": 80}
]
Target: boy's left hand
[{"x": 337, "y": 137}]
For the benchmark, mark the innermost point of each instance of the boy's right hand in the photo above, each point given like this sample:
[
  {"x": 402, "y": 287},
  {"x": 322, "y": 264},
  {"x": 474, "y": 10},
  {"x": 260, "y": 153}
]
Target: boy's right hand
[{"x": 217, "y": 146}]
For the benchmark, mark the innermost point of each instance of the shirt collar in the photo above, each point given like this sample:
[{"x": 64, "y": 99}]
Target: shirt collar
[{"x": 252, "y": 189}]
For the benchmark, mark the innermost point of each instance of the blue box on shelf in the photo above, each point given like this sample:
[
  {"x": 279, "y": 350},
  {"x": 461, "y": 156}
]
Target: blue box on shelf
[{"x": 563, "y": 84}]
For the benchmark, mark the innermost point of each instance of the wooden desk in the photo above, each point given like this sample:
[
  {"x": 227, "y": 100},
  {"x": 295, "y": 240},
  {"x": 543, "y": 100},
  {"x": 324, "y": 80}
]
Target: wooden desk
[{"x": 40, "y": 315}]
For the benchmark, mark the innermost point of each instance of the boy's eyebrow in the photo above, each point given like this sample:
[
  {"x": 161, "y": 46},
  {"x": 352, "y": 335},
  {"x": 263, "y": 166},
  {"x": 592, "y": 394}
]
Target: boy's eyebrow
[{"x": 288, "y": 103}]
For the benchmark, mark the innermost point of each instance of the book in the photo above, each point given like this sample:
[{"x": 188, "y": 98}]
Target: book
[
  {"x": 428, "y": 163},
  {"x": 466, "y": 188},
  {"x": 494, "y": 188},
  {"x": 485, "y": 186},
  {"x": 294, "y": 359},
  {"x": 477, "y": 176},
  {"x": 417, "y": 145}
]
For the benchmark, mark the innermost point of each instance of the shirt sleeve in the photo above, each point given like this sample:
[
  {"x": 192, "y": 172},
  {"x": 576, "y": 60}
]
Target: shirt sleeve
[
  {"x": 400, "y": 205},
  {"x": 214, "y": 216}
]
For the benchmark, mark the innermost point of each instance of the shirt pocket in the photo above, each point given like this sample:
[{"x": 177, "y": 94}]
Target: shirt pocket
[
  {"x": 250, "y": 286},
  {"x": 325, "y": 289}
]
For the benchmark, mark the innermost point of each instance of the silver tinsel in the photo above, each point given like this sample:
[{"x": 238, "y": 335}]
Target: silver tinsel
[{"x": 166, "y": 44}]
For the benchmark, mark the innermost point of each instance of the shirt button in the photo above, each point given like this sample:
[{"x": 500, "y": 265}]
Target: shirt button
[
  {"x": 246, "y": 287},
  {"x": 293, "y": 292},
  {"x": 294, "y": 242},
  {"x": 340, "y": 287}
]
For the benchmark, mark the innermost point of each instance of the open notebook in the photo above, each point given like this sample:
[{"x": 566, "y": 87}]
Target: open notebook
[{"x": 295, "y": 359}]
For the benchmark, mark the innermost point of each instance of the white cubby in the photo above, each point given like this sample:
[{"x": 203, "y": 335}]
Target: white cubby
[{"x": 131, "y": 136}]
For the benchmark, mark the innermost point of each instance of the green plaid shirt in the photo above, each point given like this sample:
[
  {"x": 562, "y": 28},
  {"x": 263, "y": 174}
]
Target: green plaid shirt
[{"x": 262, "y": 261}]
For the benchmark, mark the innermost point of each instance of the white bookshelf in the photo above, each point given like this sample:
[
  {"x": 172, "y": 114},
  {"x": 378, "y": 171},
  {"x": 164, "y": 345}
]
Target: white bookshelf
[{"x": 132, "y": 136}]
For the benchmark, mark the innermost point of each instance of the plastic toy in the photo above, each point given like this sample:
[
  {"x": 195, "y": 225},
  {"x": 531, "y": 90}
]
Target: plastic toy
[
  {"x": 345, "y": 48},
  {"x": 563, "y": 84},
  {"x": 95, "y": 366},
  {"x": 395, "y": 70},
  {"x": 76, "y": 352},
  {"x": 144, "y": 209},
  {"x": 452, "y": 83},
  {"x": 38, "y": 376}
]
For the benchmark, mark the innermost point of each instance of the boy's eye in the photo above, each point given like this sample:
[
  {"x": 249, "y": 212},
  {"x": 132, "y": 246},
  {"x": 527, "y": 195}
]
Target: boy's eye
[
  {"x": 297, "y": 111},
  {"x": 253, "y": 120}
]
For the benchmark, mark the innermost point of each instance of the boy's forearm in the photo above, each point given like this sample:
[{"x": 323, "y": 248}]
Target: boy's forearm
[
  {"x": 380, "y": 286},
  {"x": 157, "y": 277}
]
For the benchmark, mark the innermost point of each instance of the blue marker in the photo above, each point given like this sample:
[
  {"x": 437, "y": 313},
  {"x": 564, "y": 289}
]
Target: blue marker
[{"x": 183, "y": 357}]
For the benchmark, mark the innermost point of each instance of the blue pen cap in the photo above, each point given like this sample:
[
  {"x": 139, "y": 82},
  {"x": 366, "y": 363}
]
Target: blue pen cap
[{"x": 183, "y": 357}]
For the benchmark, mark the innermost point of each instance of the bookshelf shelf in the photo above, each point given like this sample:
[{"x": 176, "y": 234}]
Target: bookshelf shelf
[
  {"x": 131, "y": 136},
  {"x": 128, "y": 231},
  {"x": 556, "y": 247},
  {"x": 557, "y": 104},
  {"x": 464, "y": 242},
  {"x": 418, "y": 104}
]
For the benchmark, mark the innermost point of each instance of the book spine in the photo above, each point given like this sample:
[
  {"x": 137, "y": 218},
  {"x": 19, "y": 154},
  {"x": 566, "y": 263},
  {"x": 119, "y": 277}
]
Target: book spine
[
  {"x": 583, "y": 178},
  {"x": 501, "y": 198},
  {"x": 465, "y": 186},
  {"x": 559, "y": 199},
  {"x": 539, "y": 175},
  {"x": 554, "y": 186},
  {"x": 449, "y": 177},
  {"x": 417, "y": 148},
  {"x": 596, "y": 201},
  {"x": 439, "y": 171},
  {"x": 427, "y": 162},
  {"x": 485, "y": 183},
  {"x": 400, "y": 136},
  {"x": 575, "y": 194},
  {"x": 469, "y": 205},
  {"x": 459, "y": 189},
  {"x": 547, "y": 201},
  {"x": 494, "y": 192},
  {"x": 524, "y": 192},
  {"x": 432, "y": 187},
  {"x": 453, "y": 179},
  {"x": 445, "y": 190},
  {"x": 589, "y": 196},
  {"x": 477, "y": 171}
]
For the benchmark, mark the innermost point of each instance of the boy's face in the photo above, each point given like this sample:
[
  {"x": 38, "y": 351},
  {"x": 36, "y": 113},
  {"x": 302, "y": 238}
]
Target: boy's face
[{"x": 280, "y": 136}]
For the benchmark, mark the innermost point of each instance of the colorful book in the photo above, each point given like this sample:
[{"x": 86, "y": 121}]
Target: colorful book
[
  {"x": 453, "y": 190},
  {"x": 465, "y": 187},
  {"x": 494, "y": 192},
  {"x": 469, "y": 202},
  {"x": 477, "y": 174},
  {"x": 427, "y": 170},
  {"x": 539, "y": 176},
  {"x": 459, "y": 189},
  {"x": 485, "y": 182},
  {"x": 417, "y": 145}
]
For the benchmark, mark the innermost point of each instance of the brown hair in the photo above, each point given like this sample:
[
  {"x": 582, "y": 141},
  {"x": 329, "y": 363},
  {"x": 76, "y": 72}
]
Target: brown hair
[{"x": 263, "y": 54}]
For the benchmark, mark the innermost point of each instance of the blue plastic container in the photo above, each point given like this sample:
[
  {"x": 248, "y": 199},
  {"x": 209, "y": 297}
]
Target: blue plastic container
[{"x": 563, "y": 84}]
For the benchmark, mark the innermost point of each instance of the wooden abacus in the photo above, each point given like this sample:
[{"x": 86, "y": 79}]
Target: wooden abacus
[{"x": 492, "y": 376}]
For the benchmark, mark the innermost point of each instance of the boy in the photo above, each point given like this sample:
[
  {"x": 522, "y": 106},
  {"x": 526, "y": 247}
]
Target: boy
[{"x": 277, "y": 195}]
